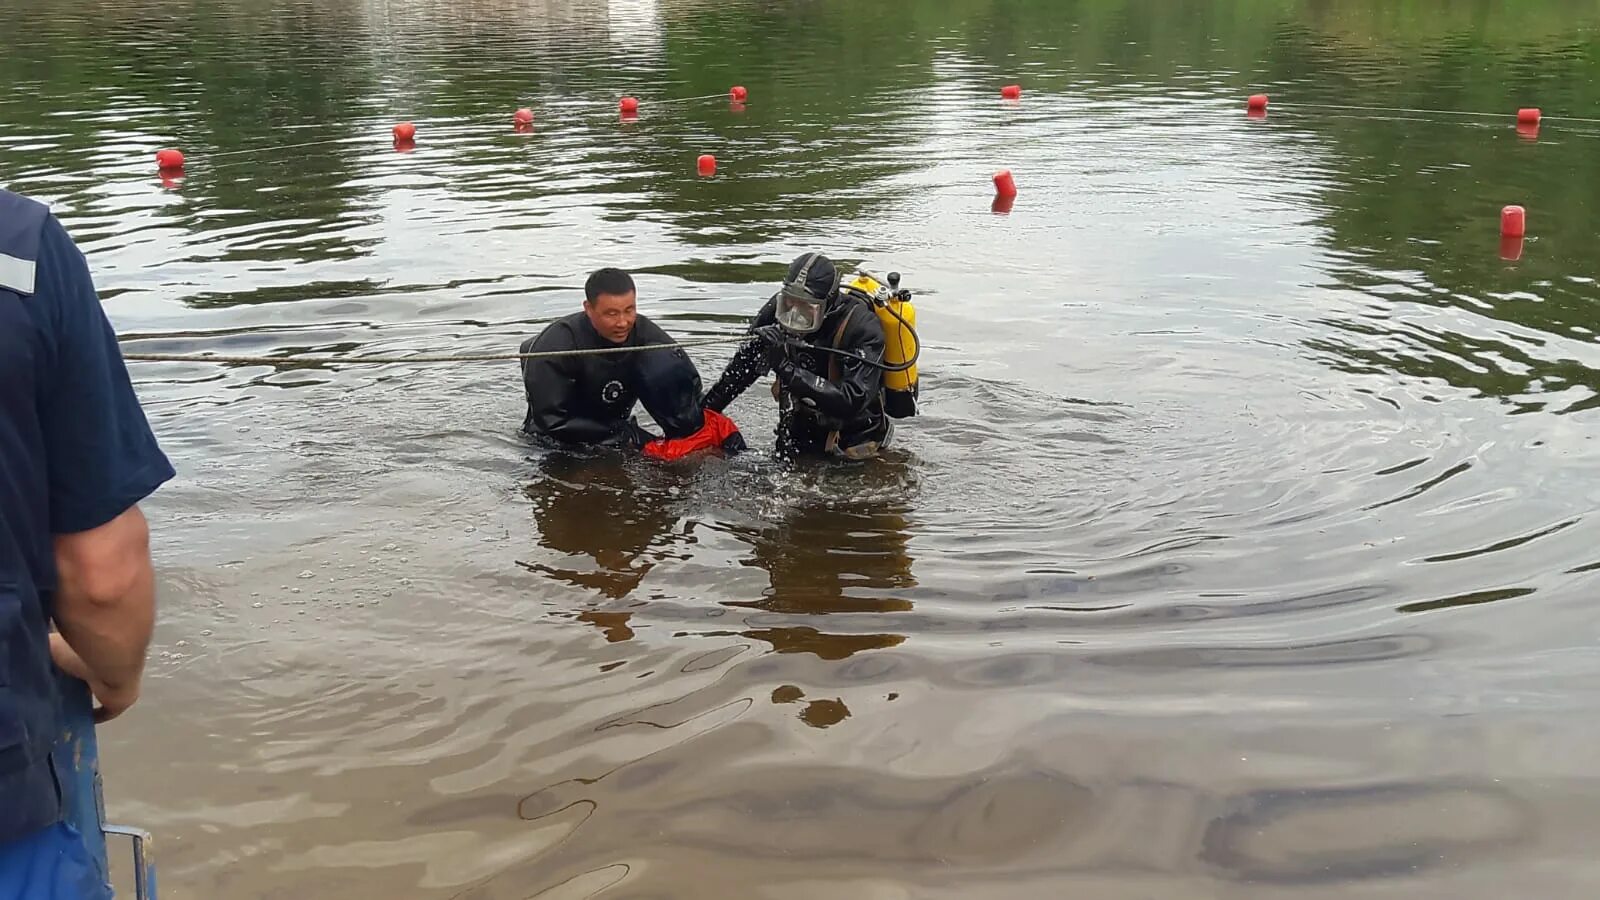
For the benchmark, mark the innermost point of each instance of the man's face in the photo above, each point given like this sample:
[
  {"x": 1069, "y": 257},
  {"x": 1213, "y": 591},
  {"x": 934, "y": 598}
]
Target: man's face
[{"x": 612, "y": 315}]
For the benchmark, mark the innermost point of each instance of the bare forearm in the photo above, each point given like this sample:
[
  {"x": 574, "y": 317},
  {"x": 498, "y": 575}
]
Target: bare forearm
[{"x": 105, "y": 601}]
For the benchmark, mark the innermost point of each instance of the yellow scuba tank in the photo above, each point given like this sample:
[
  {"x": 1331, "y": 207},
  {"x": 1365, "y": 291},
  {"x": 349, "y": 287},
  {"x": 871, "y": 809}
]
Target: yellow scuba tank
[{"x": 901, "y": 345}]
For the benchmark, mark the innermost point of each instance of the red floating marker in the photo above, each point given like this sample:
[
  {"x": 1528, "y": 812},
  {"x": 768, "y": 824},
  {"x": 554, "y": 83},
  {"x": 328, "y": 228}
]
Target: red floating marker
[
  {"x": 405, "y": 131},
  {"x": 523, "y": 117},
  {"x": 169, "y": 160},
  {"x": 1527, "y": 132},
  {"x": 738, "y": 94},
  {"x": 1528, "y": 116},
  {"x": 1513, "y": 222},
  {"x": 1011, "y": 92},
  {"x": 707, "y": 164},
  {"x": 629, "y": 104},
  {"x": 1258, "y": 102},
  {"x": 1004, "y": 184},
  {"x": 1511, "y": 248}
]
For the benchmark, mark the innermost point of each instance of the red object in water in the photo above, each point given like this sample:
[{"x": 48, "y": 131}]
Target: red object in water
[
  {"x": 718, "y": 433},
  {"x": 405, "y": 131},
  {"x": 1258, "y": 102},
  {"x": 1510, "y": 248},
  {"x": 169, "y": 160},
  {"x": 1528, "y": 132},
  {"x": 1011, "y": 92},
  {"x": 1004, "y": 184},
  {"x": 1528, "y": 116},
  {"x": 707, "y": 164},
  {"x": 523, "y": 117},
  {"x": 629, "y": 105},
  {"x": 1513, "y": 222},
  {"x": 738, "y": 94}
]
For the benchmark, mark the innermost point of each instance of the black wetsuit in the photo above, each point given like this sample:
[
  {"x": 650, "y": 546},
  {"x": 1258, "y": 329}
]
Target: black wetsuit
[
  {"x": 578, "y": 400},
  {"x": 815, "y": 402}
]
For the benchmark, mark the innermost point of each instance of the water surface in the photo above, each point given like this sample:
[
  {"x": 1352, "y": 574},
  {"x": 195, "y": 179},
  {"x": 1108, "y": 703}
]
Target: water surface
[{"x": 1245, "y": 548}]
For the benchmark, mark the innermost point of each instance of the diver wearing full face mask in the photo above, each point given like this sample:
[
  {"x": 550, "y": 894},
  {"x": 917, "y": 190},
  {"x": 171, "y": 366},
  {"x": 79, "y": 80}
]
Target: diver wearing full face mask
[{"x": 826, "y": 349}]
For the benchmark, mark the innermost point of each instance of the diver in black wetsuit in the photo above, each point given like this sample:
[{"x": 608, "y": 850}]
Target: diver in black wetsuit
[
  {"x": 588, "y": 400},
  {"x": 830, "y": 403}
]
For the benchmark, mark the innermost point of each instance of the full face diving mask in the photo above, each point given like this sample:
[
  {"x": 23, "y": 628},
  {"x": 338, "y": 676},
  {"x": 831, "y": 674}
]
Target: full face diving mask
[{"x": 800, "y": 311}]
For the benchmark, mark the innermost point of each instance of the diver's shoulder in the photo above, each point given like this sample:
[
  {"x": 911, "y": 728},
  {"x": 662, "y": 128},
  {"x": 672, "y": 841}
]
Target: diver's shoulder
[
  {"x": 768, "y": 313},
  {"x": 646, "y": 331},
  {"x": 559, "y": 334},
  {"x": 864, "y": 322}
]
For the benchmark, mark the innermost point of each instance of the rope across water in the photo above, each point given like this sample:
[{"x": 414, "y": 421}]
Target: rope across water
[{"x": 305, "y": 361}]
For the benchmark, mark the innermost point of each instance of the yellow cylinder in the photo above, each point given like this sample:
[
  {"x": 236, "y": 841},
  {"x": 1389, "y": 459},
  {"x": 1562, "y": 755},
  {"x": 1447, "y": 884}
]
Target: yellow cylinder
[
  {"x": 900, "y": 347},
  {"x": 900, "y": 343}
]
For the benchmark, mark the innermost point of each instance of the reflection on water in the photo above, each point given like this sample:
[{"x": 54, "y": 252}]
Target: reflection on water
[
  {"x": 594, "y": 512},
  {"x": 1243, "y": 547}
]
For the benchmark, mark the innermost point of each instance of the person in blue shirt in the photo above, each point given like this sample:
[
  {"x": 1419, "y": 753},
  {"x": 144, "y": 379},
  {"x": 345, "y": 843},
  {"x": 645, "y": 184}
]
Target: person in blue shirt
[{"x": 76, "y": 458}]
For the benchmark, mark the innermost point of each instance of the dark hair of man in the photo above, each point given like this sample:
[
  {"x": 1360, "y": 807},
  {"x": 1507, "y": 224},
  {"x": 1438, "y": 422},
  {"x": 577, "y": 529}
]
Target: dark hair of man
[{"x": 609, "y": 281}]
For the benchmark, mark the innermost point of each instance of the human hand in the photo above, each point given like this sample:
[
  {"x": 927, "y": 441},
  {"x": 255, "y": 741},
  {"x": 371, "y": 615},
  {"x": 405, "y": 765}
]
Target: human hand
[
  {"x": 774, "y": 342},
  {"x": 635, "y": 435},
  {"x": 114, "y": 701}
]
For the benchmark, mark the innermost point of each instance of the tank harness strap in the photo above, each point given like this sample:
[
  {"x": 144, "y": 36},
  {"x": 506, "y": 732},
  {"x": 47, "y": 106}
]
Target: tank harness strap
[{"x": 835, "y": 370}]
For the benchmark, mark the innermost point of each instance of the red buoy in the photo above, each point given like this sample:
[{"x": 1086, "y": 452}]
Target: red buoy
[
  {"x": 1004, "y": 184},
  {"x": 405, "y": 131},
  {"x": 1528, "y": 132},
  {"x": 629, "y": 104},
  {"x": 1011, "y": 92},
  {"x": 1511, "y": 248},
  {"x": 738, "y": 94},
  {"x": 1528, "y": 116},
  {"x": 707, "y": 164},
  {"x": 1513, "y": 222},
  {"x": 1258, "y": 102},
  {"x": 523, "y": 117},
  {"x": 169, "y": 160}
]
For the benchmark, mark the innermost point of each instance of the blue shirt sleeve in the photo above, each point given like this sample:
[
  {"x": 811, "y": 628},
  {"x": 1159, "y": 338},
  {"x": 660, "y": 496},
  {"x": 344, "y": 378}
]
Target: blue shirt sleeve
[{"x": 103, "y": 458}]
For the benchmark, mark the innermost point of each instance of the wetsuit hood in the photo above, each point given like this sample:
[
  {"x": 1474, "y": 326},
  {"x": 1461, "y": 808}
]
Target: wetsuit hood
[{"x": 808, "y": 292}]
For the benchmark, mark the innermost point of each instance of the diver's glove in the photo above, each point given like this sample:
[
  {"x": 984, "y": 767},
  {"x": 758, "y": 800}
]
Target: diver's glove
[
  {"x": 631, "y": 435},
  {"x": 774, "y": 343},
  {"x": 814, "y": 391}
]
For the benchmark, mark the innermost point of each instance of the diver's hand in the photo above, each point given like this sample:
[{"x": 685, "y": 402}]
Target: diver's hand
[
  {"x": 785, "y": 370},
  {"x": 630, "y": 434},
  {"x": 771, "y": 335},
  {"x": 775, "y": 343},
  {"x": 813, "y": 390}
]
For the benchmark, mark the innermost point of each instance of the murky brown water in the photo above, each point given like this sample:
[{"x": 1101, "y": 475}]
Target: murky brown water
[{"x": 1245, "y": 549}]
